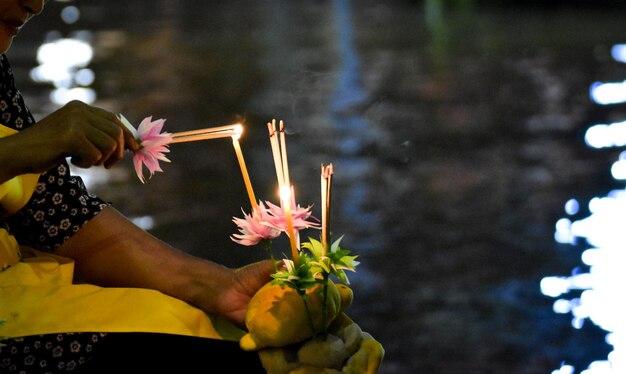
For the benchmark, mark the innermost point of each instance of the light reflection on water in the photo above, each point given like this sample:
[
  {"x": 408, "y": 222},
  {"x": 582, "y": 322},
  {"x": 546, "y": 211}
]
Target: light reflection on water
[
  {"x": 353, "y": 129},
  {"x": 595, "y": 295},
  {"x": 453, "y": 133}
]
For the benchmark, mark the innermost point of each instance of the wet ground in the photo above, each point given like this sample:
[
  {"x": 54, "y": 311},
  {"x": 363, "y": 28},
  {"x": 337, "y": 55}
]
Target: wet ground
[{"x": 456, "y": 132}]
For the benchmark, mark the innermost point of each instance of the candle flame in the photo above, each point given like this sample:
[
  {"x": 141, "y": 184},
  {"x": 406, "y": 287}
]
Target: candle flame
[
  {"x": 285, "y": 194},
  {"x": 237, "y": 131}
]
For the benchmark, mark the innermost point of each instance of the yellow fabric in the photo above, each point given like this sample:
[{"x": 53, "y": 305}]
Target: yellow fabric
[
  {"x": 16, "y": 192},
  {"x": 37, "y": 295},
  {"x": 9, "y": 250}
]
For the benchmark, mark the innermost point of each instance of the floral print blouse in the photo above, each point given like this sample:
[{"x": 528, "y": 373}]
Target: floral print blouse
[{"x": 60, "y": 204}]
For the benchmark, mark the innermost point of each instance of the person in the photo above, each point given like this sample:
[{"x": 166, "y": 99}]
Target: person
[{"x": 82, "y": 289}]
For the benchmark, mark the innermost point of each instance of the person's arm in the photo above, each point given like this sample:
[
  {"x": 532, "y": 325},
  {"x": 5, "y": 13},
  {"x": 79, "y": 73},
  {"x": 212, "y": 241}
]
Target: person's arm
[
  {"x": 87, "y": 134},
  {"x": 110, "y": 250}
]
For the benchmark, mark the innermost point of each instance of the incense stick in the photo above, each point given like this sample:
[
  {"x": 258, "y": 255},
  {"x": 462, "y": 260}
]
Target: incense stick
[
  {"x": 271, "y": 127},
  {"x": 207, "y": 133},
  {"x": 244, "y": 173}
]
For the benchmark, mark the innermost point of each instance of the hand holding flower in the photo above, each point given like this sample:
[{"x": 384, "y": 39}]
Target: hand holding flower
[{"x": 87, "y": 135}]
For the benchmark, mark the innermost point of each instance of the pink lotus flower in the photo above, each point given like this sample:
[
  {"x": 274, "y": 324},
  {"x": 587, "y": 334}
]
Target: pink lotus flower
[
  {"x": 255, "y": 227},
  {"x": 153, "y": 144},
  {"x": 301, "y": 218}
]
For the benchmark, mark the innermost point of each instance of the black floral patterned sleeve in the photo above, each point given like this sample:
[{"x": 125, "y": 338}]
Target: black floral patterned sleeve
[{"x": 61, "y": 204}]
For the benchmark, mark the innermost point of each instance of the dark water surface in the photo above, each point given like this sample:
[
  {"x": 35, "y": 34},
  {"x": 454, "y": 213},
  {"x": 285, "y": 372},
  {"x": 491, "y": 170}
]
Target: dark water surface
[{"x": 456, "y": 133}]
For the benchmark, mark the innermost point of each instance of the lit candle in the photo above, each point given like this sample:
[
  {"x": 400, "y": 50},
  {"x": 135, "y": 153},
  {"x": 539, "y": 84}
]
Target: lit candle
[
  {"x": 286, "y": 194},
  {"x": 279, "y": 153},
  {"x": 244, "y": 171}
]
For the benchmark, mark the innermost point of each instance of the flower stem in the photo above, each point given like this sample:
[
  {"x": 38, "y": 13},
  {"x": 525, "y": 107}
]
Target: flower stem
[
  {"x": 325, "y": 302},
  {"x": 308, "y": 312},
  {"x": 267, "y": 246}
]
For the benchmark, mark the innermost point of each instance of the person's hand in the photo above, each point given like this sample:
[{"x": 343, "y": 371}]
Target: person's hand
[
  {"x": 344, "y": 349},
  {"x": 244, "y": 283},
  {"x": 87, "y": 134}
]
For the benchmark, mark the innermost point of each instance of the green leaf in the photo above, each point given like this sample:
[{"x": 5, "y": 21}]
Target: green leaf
[{"x": 315, "y": 247}]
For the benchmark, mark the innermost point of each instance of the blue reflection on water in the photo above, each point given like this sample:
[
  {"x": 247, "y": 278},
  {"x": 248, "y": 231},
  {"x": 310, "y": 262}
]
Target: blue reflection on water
[
  {"x": 349, "y": 90},
  {"x": 347, "y": 119}
]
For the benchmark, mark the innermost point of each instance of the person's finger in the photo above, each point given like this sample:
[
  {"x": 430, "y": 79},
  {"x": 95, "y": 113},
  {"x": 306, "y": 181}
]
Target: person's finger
[
  {"x": 86, "y": 155},
  {"x": 252, "y": 276},
  {"x": 130, "y": 142},
  {"x": 128, "y": 138},
  {"x": 113, "y": 127},
  {"x": 107, "y": 138},
  {"x": 117, "y": 135}
]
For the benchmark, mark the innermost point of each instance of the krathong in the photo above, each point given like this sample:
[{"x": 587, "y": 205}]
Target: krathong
[{"x": 298, "y": 321}]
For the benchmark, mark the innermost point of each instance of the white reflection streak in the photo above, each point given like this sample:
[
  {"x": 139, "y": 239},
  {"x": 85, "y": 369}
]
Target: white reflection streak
[
  {"x": 565, "y": 369},
  {"x": 604, "y": 230},
  {"x": 63, "y": 63},
  {"x": 608, "y": 93},
  {"x": 606, "y": 135},
  {"x": 599, "y": 300},
  {"x": 618, "y": 52}
]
